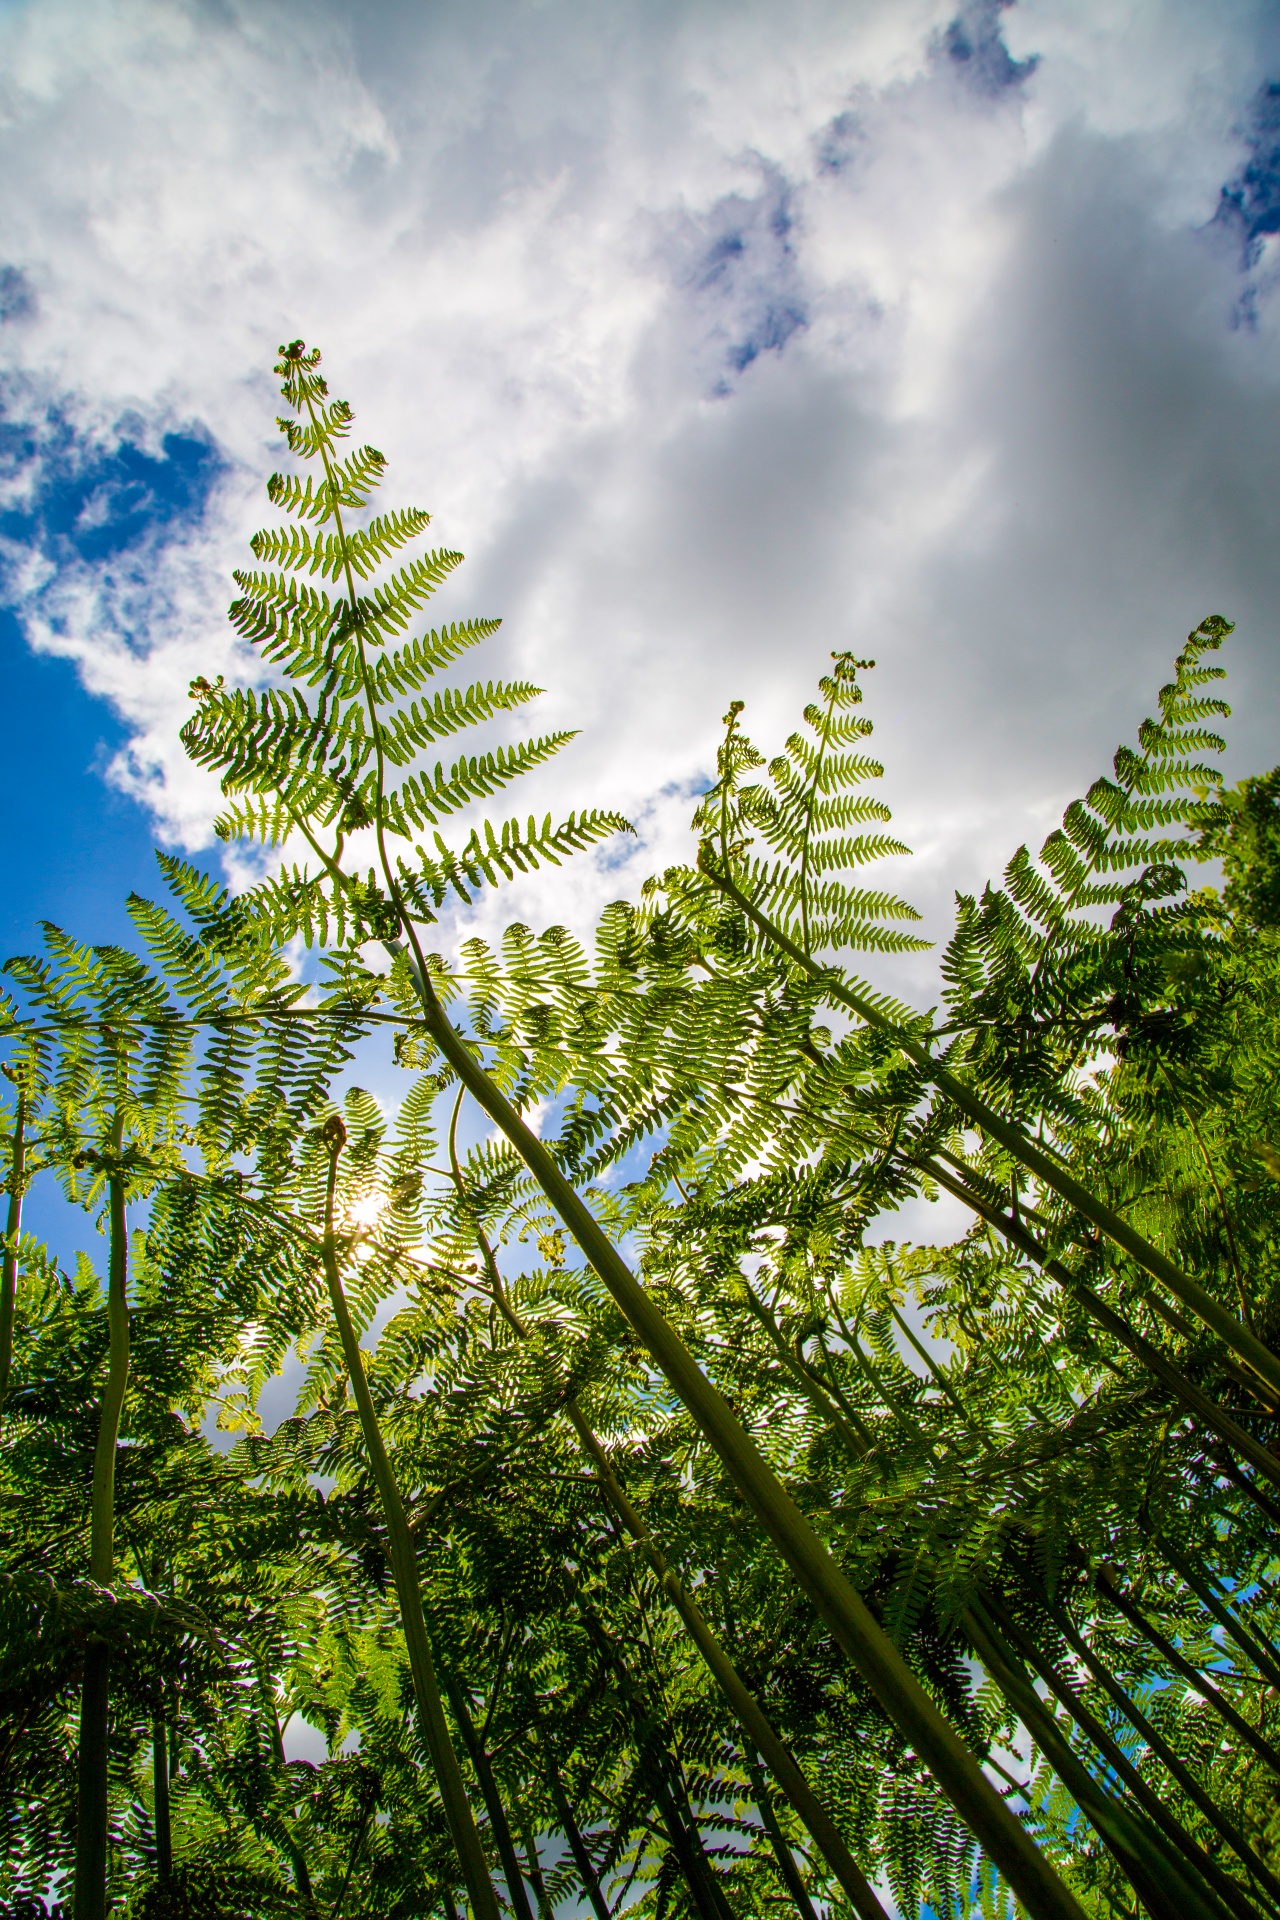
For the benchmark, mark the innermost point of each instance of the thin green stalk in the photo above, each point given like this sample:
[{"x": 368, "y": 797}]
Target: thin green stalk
[
  {"x": 824, "y": 741},
  {"x": 160, "y": 1797},
  {"x": 92, "y": 1805},
  {"x": 880, "y": 1663},
  {"x": 1110, "y": 1752},
  {"x": 1113, "y": 1755},
  {"x": 353, "y": 1854},
  {"x": 830, "y": 1381},
  {"x": 1108, "y": 1749},
  {"x": 1243, "y": 1376},
  {"x": 742, "y": 1702},
  {"x": 1169, "y": 1760},
  {"x": 1047, "y": 1169},
  {"x": 102, "y": 1522},
  {"x": 1168, "y": 1892},
  {"x": 528, "y": 1841},
  {"x": 905, "y": 1328},
  {"x": 573, "y": 1834},
  {"x": 1251, "y": 1648},
  {"x": 667, "y": 1784},
  {"x": 499, "y": 1825},
  {"x": 1223, "y": 1210},
  {"x": 90, "y": 1895},
  {"x": 777, "y": 1840},
  {"x": 815, "y": 1391},
  {"x": 1194, "y": 1677},
  {"x": 297, "y": 1859},
  {"x": 1177, "y": 1383},
  {"x": 1226, "y": 1466},
  {"x": 12, "y": 1234},
  {"x": 682, "y": 1829},
  {"x": 1163, "y": 1309},
  {"x": 175, "y": 1751},
  {"x": 892, "y": 1400},
  {"x": 404, "y": 1568}
]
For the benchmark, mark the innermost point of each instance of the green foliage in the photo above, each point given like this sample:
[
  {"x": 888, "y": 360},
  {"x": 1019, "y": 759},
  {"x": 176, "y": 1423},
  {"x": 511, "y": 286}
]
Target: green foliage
[
  {"x": 308, "y": 762},
  {"x": 803, "y": 816},
  {"x": 1079, "y": 948},
  {"x": 1244, "y": 831},
  {"x": 1014, "y": 1487}
]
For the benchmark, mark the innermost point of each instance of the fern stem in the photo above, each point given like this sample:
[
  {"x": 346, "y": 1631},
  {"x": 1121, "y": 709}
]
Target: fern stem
[
  {"x": 353, "y": 1854},
  {"x": 499, "y": 1825},
  {"x": 92, "y": 1802},
  {"x": 1048, "y": 1170},
  {"x": 1097, "y": 1734},
  {"x": 12, "y": 1235},
  {"x": 1169, "y": 1760},
  {"x": 855, "y": 1629},
  {"x": 1183, "y": 1389},
  {"x": 1223, "y": 1464},
  {"x": 750, "y": 1715},
  {"x": 400, "y": 1551},
  {"x": 742, "y": 1702},
  {"x": 573, "y": 1834},
  {"x": 528, "y": 1841},
  {"x": 666, "y": 1781},
  {"x": 1114, "y": 1757},
  {"x": 90, "y": 1896},
  {"x": 820, "y": 1396},
  {"x": 787, "y": 1868},
  {"x": 366, "y": 681},
  {"x": 160, "y": 1797},
  {"x": 1223, "y": 1210},
  {"x": 1195, "y": 1678},
  {"x": 1165, "y": 1886},
  {"x": 824, "y": 741},
  {"x": 908, "y": 1332},
  {"x": 102, "y": 1530},
  {"x": 1262, "y": 1659},
  {"x": 1256, "y": 1389},
  {"x": 297, "y": 1859}
]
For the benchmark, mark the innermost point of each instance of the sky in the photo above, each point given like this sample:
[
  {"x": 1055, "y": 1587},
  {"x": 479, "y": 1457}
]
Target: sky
[{"x": 718, "y": 336}]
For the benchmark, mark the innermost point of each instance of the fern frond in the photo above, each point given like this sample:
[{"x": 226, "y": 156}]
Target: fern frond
[
  {"x": 389, "y": 608},
  {"x": 362, "y": 549},
  {"x": 420, "y": 802},
  {"x": 407, "y": 730},
  {"x": 407, "y": 669},
  {"x": 270, "y": 822}
]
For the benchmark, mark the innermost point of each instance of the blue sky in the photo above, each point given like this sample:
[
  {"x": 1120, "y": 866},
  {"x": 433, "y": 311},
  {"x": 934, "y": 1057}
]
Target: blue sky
[
  {"x": 79, "y": 844},
  {"x": 75, "y": 847}
]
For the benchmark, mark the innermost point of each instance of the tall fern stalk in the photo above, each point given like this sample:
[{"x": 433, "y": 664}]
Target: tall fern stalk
[
  {"x": 741, "y": 1701},
  {"x": 92, "y": 1824},
  {"x": 404, "y": 1568},
  {"x": 12, "y": 1236},
  {"x": 323, "y": 772}
]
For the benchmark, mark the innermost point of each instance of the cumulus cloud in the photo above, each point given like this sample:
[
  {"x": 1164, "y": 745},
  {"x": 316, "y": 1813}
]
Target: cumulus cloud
[{"x": 719, "y": 337}]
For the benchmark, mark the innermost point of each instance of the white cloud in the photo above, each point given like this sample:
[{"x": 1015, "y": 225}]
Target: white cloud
[{"x": 719, "y": 336}]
